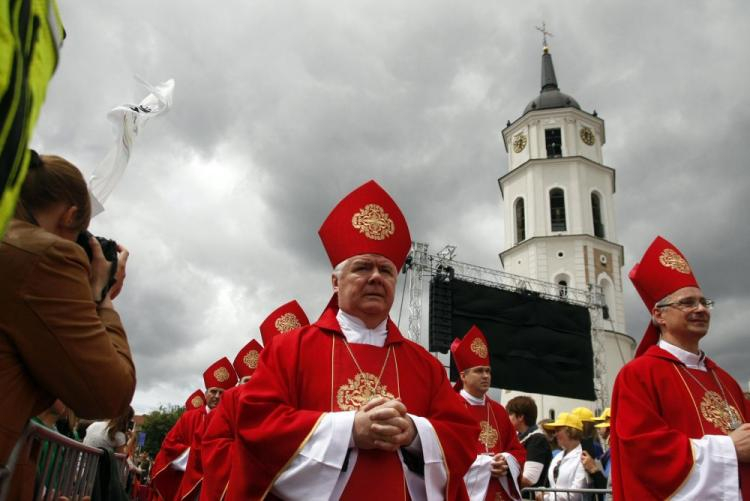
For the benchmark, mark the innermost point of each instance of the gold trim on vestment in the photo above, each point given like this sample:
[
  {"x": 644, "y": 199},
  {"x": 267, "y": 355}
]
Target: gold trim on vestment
[
  {"x": 692, "y": 398},
  {"x": 333, "y": 348},
  {"x": 684, "y": 481},
  {"x": 192, "y": 489},
  {"x": 296, "y": 453},
  {"x": 445, "y": 461}
]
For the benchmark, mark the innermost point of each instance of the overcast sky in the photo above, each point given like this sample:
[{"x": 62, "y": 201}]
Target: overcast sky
[{"x": 281, "y": 108}]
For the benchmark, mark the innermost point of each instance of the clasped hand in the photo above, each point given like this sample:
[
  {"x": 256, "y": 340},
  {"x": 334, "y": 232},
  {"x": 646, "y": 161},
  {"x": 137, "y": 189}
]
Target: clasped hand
[
  {"x": 499, "y": 465},
  {"x": 383, "y": 424}
]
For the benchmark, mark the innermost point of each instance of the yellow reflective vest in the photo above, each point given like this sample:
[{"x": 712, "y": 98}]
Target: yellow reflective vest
[{"x": 31, "y": 34}]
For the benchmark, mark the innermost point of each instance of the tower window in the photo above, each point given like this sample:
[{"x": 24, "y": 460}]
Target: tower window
[
  {"x": 553, "y": 140},
  {"x": 596, "y": 211},
  {"x": 563, "y": 290},
  {"x": 557, "y": 209},
  {"x": 520, "y": 221}
]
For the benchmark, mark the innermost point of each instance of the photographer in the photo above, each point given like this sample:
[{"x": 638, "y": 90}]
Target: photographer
[{"x": 60, "y": 336}]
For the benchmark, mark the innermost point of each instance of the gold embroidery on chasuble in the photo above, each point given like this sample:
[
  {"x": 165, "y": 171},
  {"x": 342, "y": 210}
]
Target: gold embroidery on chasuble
[
  {"x": 718, "y": 412},
  {"x": 373, "y": 222},
  {"x": 196, "y": 402},
  {"x": 488, "y": 435},
  {"x": 221, "y": 374},
  {"x": 479, "y": 348},
  {"x": 670, "y": 259},
  {"x": 286, "y": 322},
  {"x": 358, "y": 391},
  {"x": 251, "y": 359}
]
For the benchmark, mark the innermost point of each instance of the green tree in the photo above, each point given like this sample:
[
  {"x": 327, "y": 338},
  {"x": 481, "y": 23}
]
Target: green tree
[{"x": 156, "y": 425}]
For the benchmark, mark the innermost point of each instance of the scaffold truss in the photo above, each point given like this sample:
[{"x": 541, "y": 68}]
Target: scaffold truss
[{"x": 421, "y": 264}]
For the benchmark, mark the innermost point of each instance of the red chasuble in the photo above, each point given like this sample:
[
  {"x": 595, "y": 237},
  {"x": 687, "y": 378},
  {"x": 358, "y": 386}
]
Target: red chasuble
[
  {"x": 165, "y": 480},
  {"x": 217, "y": 446},
  {"x": 656, "y": 408},
  {"x": 306, "y": 373},
  {"x": 497, "y": 435},
  {"x": 193, "y": 476}
]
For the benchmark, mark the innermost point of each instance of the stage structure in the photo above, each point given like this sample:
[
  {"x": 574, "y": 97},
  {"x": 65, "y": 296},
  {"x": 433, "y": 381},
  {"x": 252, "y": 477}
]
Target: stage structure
[{"x": 423, "y": 267}]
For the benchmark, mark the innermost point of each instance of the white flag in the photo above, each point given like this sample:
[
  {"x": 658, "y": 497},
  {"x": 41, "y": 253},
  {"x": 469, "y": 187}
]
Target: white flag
[{"x": 127, "y": 121}]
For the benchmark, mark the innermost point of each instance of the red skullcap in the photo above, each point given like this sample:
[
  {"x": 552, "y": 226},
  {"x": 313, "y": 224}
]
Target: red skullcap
[{"x": 366, "y": 221}]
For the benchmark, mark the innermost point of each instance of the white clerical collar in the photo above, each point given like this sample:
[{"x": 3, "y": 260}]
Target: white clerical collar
[
  {"x": 471, "y": 398},
  {"x": 356, "y": 331},
  {"x": 691, "y": 360}
]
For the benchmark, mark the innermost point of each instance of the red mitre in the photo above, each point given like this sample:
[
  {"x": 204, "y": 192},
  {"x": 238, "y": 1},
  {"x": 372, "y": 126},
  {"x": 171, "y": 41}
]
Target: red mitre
[
  {"x": 283, "y": 319},
  {"x": 220, "y": 375},
  {"x": 662, "y": 270},
  {"x": 196, "y": 400},
  {"x": 471, "y": 351},
  {"x": 246, "y": 360},
  {"x": 366, "y": 221}
]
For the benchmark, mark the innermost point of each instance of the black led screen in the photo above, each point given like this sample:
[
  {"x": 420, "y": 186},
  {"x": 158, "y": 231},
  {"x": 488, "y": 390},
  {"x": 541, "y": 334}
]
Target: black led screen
[{"x": 536, "y": 345}]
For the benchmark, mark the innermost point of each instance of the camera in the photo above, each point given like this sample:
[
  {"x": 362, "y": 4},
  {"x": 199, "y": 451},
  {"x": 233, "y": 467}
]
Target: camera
[{"x": 109, "y": 249}]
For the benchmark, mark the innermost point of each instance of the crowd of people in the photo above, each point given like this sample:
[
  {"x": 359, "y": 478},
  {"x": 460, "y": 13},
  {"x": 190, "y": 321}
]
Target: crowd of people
[{"x": 346, "y": 407}]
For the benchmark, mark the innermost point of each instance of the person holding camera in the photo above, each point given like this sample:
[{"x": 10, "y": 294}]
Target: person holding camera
[{"x": 60, "y": 336}]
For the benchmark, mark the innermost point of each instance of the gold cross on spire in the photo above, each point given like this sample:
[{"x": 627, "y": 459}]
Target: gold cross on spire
[{"x": 543, "y": 30}]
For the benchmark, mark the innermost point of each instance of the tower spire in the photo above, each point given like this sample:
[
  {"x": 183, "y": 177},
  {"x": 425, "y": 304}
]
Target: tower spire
[{"x": 549, "y": 80}]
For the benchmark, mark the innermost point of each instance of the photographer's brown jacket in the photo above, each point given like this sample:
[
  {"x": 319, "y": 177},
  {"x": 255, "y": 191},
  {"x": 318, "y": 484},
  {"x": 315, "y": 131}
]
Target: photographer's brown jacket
[{"x": 54, "y": 341}]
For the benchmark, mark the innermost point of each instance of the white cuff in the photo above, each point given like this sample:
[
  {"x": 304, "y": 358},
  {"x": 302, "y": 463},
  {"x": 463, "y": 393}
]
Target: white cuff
[
  {"x": 532, "y": 471},
  {"x": 714, "y": 474},
  {"x": 478, "y": 477},
  {"x": 180, "y": 463},
  {"x": 315, "y": 473},
  {"x": 432, "y": 486},
  {"x": 509, "y": 482}
]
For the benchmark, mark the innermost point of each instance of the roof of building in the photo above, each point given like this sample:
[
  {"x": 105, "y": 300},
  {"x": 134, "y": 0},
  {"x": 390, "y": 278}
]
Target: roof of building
[{"x": 550, "y": 95}]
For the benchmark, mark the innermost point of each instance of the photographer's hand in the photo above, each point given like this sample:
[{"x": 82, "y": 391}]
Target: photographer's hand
[
  {"x": 99, "y": 275},
  {"x": 122, "y": 259}
]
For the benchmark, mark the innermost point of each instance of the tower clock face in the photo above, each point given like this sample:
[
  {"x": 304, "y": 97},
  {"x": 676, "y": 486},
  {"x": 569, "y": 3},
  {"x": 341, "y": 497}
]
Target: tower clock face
[
  {"x": 519, "y": 143},
  {"x": 587, "y": 136}
]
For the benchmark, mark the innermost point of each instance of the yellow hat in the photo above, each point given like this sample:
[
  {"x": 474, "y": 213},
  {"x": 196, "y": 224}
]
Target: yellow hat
[
  {"x": 605, "y": 424},
  {"x": 604, "y": 417},
  {"x": 565, "y": 419},
  {"x": 584, "y": 414}
]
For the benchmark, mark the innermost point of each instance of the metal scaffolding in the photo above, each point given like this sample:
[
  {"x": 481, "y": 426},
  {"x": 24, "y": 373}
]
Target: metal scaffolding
[{"x": 421, "y": 264}]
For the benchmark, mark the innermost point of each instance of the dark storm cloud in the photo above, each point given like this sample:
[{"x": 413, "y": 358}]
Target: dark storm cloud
[{"x": 280, "y": 108}]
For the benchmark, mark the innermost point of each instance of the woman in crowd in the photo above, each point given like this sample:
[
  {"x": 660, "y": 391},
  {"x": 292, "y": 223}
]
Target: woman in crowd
[
  {"x": 111, "y": 435},
  {"x": 566, "y": 470},
  {"x": 59, "y": 335}
]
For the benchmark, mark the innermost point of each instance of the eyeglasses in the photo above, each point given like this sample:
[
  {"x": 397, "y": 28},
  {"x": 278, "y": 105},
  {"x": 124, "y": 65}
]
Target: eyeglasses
[{"x": 689, "y": 303}]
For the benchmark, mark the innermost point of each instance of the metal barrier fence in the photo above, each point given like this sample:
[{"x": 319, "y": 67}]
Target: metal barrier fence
[
  {"x": 570, "y": 494},
  {"x": 64, "y": 467}
]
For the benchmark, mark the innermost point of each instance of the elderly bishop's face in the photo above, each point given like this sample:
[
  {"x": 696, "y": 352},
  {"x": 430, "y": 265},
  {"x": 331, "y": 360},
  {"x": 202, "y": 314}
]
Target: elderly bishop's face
[{"x": 366, "y": 287}]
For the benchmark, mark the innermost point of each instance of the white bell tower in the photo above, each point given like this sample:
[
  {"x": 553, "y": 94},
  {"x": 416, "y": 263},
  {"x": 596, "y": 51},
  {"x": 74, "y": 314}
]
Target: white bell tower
[{"x": 559, "y": 199}]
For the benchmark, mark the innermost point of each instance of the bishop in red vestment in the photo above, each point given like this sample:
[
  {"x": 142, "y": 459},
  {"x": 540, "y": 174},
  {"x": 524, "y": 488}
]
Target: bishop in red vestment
[
  {"x": 218, "y": 439},
  {"x": 347, "y": 408},
  {"x": 679, "y": 422},
  {"x": 496, "y": 471},
  {"x": 172, "y": 465}
]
